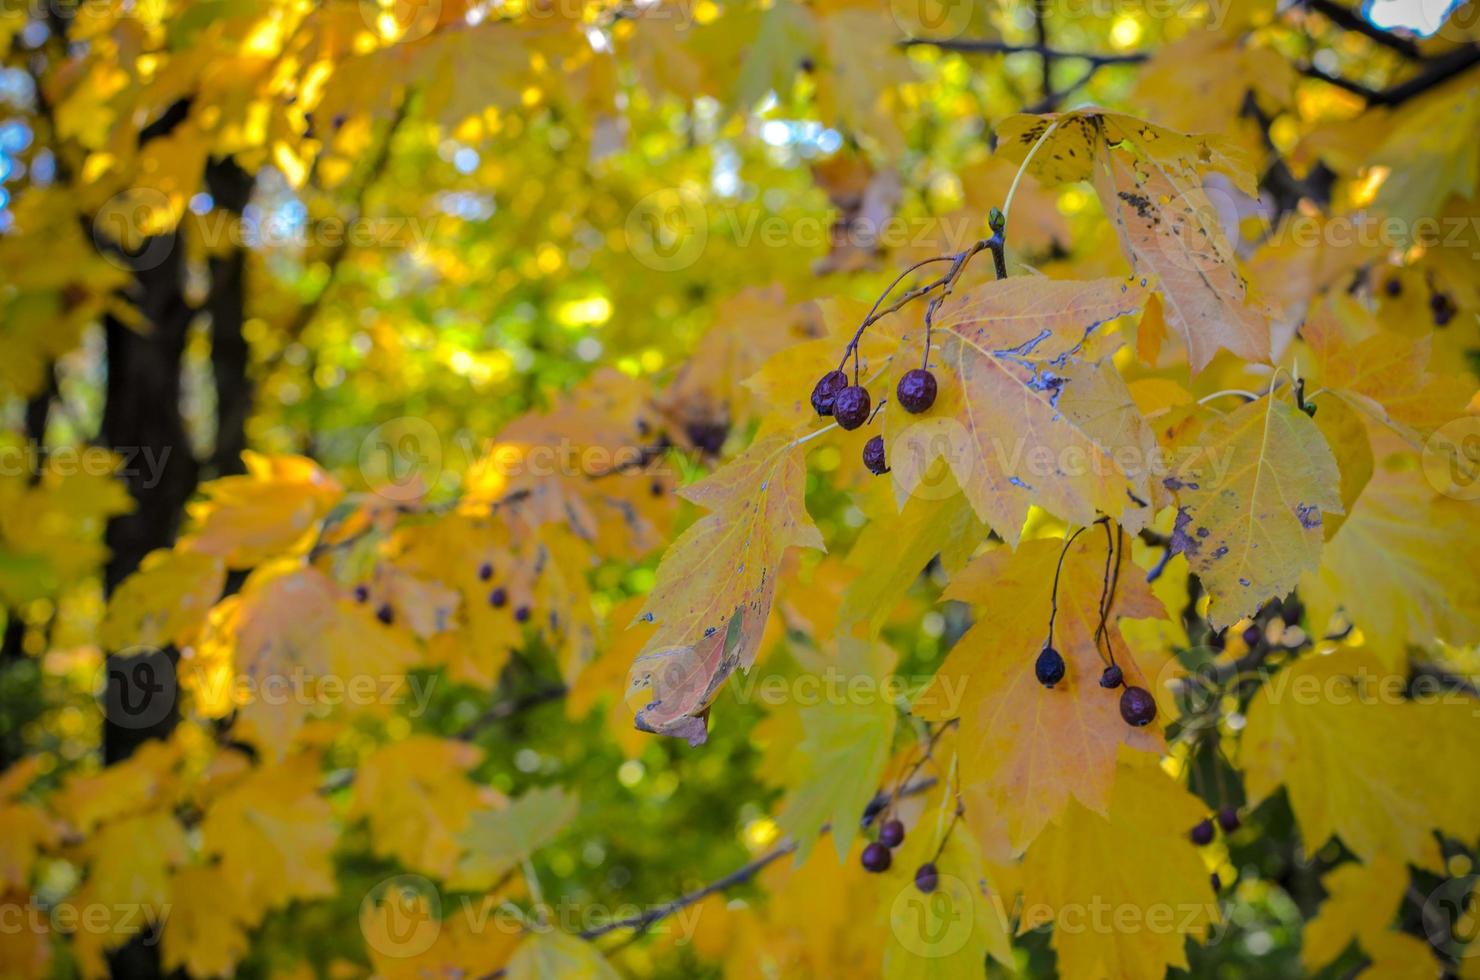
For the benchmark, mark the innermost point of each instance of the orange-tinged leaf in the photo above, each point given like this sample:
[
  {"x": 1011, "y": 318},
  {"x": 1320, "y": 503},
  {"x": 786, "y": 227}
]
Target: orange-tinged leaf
[
  {"x": 715, "y": 585},
  {"x": 1020, "y": 418},
  {"x": 271, "y": 511},
  {"x": 1251, "y": 505},
  {"x": 1027, "y": 751},
  {"x": 1124, "y": 891},
  {"x": 1150, "y": 182}
]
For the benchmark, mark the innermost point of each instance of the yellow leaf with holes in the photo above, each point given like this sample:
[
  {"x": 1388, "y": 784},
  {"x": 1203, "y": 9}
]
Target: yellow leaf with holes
[
  {"x": 1022, "y": 416},
  {"x": 1360, "y": 762},
  {"x": 1251, "y": 503},
  {"x": 1027, "y": 751},
  {"x": 716, "y": 583},
  {"x": 1123, "y": 891}
]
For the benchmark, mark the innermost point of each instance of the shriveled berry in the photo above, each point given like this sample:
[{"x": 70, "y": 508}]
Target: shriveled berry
[
  {"x": 891, "y": 833},
  {"x": 521, "y": 614},
  {"x": 926, "y": 877},
  {"x": 384, "y": 614},
  {"x": 1202, "y": 833},
  {"x": 851, "y": 406},
  {"x": 1112, "y": 677},
  {"x": 485, "y": 572},
  {"x": 873, "y": 456},
  {"x": 916, "y": 391},
  {"x": 498, "y": 598},
  {"x": 1228, "y": 819},
  {"x": 826, "y": 391},
  {"x": 1049, "y": 667},
  {"x": 1137, "y": 706},
  {"x": 1253, "y": 635},
  {"x": 876, "y": 857}
]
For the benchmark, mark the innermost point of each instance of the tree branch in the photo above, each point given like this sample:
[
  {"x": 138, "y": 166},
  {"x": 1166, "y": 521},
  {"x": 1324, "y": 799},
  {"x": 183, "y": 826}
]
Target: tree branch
[
  {"x": 1349, "y": 20},
  {"x": 1436, "y": 72},
  {"x": 990, "y": 46}
]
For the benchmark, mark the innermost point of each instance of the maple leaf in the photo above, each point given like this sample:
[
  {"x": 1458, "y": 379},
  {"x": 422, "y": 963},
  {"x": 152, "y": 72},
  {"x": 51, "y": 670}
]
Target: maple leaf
[
  {"x": 417, "y": 799},
  {"x": 1251, "y": 505},
  {"x": 271, "y": 511},
  {"x": 1027, "y": 751},
  {"x": 24, "y": 830},
  {"x": 1394, "y": 567},
  {"x": 1150, "y": 183},
  {"x": 1361, "y": 900},
  {"x": 497, "y": 840},
  {"x": 204, "y": 934},
  {"x": 165, "y": 602},
  {"x": 1019, "y": 418},
  {"x": 1354, "y": 761},
  {"x": 715, "y": 585},
  {"x": 841, "y": 755},
  {"x": 1123, "y": 890},
  {"x": 274, "y": 834}
]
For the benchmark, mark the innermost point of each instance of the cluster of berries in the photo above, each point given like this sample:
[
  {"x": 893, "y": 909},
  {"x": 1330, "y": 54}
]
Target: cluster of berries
[
  {"x": 877, "y": 856},
  {"x": 1137, "y": 706},
  {"x": 849, "y": 404}
]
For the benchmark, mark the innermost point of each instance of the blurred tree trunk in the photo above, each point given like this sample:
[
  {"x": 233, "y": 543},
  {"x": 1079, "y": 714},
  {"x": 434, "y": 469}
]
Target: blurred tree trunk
[{"x": 231, "y": 187}]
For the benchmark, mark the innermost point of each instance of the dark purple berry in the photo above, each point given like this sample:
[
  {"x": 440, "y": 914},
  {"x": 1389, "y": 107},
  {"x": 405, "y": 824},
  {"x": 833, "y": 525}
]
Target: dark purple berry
[
  {"x": 873, "y": 456},
  {"x": 1216, "y": 882},
  {"x": 891, "y": 833},
  {"x": 521, "y": 615},
  {"x": 826, "y": 391},
  {"x": 1228, "y": 819},
  {"x": 916, "y": 391},
  {"x": 707, "y": 437},
  {"x": 1290, "y": 612},
  {"x": 485, "y": 572},
  {"x": 498, "y": 598},
  {"x": 851, "y": 406},
  {"x": 656, "y": 488},
  {"x": 926, "y": 877},
  {"x": 1253, "y": 635},
  {"x": 1202, "y": 833},
  {"x": 876, "y": 857},
  {"x": 1049, "y": 667},
  {"x": 1394, "y": 286},
  {"x": 1112, "y": 677},
  {"x": 1137, "y": 706},
  {"x": 362, "y": 593},
  {"x": 384, "y": 614}
]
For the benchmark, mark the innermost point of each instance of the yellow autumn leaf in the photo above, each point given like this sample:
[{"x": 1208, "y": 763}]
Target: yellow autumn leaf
[
  {"x": 1251, "y": 504},
  {"x": 1027, "y": 751},
  {"x": 550, "y": 953},
  {"x": 204, "y": 934},
  {"x": 1361, "y": 901},
  {"x": 1126, "y": 890},
  {"x": 416, "y": 797},
  {"x": 1358, "y": 761},
  {"x": 165, "y": 602},
  {"x": 495, "y": 841},
  {"x": 271, "y": 511},
  {"x": 715, "y": 585},
  {"x": 1020, "y": 418},
  {"x": 1150, "y": 182}
]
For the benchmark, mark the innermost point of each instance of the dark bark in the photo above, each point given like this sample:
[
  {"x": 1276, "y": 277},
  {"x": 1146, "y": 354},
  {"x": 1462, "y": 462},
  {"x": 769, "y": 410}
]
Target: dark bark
[
  {"x": 231, "y": 187},
  {"x": 142, "y": 422}
]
